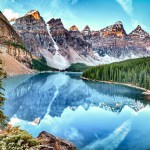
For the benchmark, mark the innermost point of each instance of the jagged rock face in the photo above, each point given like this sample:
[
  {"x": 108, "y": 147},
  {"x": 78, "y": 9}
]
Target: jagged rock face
[
  {"x": 62, "y": 47},
  {"x": 138, "y": 33},
  {"x": 87, "y": 34},
  {"x": 73, "y": 28},
  {"x": 58, "y": 32},
  {"x": 7, "y": 33},
  {"x": 11, "y": 43},
  {"x": 59, "y": 48},
  {"x": 66, "y": 39},
  {"x": 48, "y": 140},
  {"x": 57, "y": 27},
  {"x": 86, "y": 31},
  {"x": 34, "y": 33},
  {"x": 74, "y": 32},
  {"x": 95, "y": 37},
  {"x": 114, "y": 30},
  {"x": 113, "y": 41}
]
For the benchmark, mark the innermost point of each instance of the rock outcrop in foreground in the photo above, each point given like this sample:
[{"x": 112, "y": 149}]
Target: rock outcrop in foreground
[
  {"x": 50, "y": 142},
  {"x": 12, "y": 138}
]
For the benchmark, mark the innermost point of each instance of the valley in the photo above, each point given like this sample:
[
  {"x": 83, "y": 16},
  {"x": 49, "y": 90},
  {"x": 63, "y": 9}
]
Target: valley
[{"x": 74, "y": 75}]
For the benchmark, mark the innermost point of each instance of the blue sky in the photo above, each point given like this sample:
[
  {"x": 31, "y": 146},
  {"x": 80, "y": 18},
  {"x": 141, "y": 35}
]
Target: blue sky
[{"x": 95, "y": 13}]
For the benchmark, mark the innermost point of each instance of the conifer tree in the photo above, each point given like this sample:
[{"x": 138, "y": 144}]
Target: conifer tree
[
  {"x": 3, "y": 118},
  {"x": 134, "y": 71}
]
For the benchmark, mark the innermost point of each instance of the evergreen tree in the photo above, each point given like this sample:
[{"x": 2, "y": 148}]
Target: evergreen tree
[
  {"x": 2, "y": 99},
  {"x": 133, "y": 71}
]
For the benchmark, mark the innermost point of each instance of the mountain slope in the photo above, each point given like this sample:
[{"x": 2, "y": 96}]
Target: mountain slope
[
  {"x": 15, "y": 58},
  {"x": 13, "y": 67}
]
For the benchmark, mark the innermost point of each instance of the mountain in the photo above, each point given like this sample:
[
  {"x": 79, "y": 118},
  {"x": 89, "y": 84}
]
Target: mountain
[
  {"x": 33, "y": 31},
  {"x": 15, "y": 58},
  {"x": 138, "y": 33},
  {"x": 113, "y": 41},
  {"x": 61, "y": 47},
  {"x": 86, "y": 33},
  {"x": 70, "y": 43},
  {"x": 114, "y": 30}
]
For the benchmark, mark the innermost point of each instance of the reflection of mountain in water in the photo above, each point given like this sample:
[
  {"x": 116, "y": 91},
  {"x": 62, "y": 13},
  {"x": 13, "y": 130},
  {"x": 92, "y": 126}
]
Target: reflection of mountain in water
[{"x": 51, "y": 93}]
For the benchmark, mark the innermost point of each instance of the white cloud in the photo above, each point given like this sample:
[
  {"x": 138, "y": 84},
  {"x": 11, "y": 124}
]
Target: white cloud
[
  {"x": 127, "y": 6},
  {"x": 10, "y": 14}
]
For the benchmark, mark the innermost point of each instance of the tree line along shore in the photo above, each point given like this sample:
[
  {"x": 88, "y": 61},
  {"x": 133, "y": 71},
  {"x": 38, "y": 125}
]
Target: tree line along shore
[{"x": 133, "y": 72}]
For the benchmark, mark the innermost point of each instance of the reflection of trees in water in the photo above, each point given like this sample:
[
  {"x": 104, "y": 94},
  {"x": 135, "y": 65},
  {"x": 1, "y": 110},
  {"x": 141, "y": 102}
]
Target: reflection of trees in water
[{"x": 114, "y": 89}]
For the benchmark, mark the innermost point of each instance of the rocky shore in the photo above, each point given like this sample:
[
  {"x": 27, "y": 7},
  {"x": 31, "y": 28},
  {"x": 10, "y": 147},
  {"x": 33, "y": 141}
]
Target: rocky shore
[{"x": 50, "y": 142}]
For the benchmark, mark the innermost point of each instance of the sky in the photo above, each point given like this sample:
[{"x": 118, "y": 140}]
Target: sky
[{"x": 95, "y": 13}]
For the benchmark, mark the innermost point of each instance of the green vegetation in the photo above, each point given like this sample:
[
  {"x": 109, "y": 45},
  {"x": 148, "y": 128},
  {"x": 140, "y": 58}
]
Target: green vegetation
[
  {"x": 40, "y": 65},
  {"x": 16, "y": 45},
  {"x": 12, "y": 138},
  {"x": 78, "y": 67},
  {"x": 2, "y": 100},
  {"x": 2, "y": 116},
  {"x": 133, "y": 71}
]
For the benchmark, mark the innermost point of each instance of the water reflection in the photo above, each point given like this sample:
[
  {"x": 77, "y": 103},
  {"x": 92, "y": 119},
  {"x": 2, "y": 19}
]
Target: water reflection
[{"x": 89, "y": 114}]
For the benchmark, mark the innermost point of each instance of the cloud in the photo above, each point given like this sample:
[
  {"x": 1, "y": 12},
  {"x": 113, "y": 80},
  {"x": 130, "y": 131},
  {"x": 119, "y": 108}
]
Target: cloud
[
  {"x": 10, "y": 14},
  {"x": 127, "y": 6}
]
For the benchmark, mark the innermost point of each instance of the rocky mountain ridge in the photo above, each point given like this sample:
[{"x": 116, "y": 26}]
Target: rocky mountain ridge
[
  {"x": 116, "y": 29},
  {"x": 61, "y": 47},
  {"x": 33, "y": 26}
]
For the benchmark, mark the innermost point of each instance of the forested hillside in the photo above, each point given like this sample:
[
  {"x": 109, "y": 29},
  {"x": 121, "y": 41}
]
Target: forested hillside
[
  {"x": 134, "y": 71},
  {"x": 77, "y": 67}
]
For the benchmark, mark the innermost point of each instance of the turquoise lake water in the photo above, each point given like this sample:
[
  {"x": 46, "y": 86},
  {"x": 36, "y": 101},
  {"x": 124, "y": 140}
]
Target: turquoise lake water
[{"x": 93, "y": 116}]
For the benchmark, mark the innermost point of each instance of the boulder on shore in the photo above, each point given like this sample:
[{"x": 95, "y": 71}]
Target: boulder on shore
[{"x": 50, "y": 142}]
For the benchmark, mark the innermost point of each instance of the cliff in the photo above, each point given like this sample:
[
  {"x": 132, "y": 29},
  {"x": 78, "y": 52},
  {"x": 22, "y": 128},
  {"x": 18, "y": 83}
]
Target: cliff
[{"x": 15, "y": 58}]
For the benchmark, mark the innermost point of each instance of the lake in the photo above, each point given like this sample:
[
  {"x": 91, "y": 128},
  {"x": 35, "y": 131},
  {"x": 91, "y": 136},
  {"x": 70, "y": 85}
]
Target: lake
[{"x": 92, "y": 115}]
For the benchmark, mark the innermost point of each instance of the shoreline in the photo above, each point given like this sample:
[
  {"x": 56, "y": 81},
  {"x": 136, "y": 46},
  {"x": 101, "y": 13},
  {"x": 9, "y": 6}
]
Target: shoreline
[
  {"x": 38, "y": 72},
  {"x": 145, "y": 91}
]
